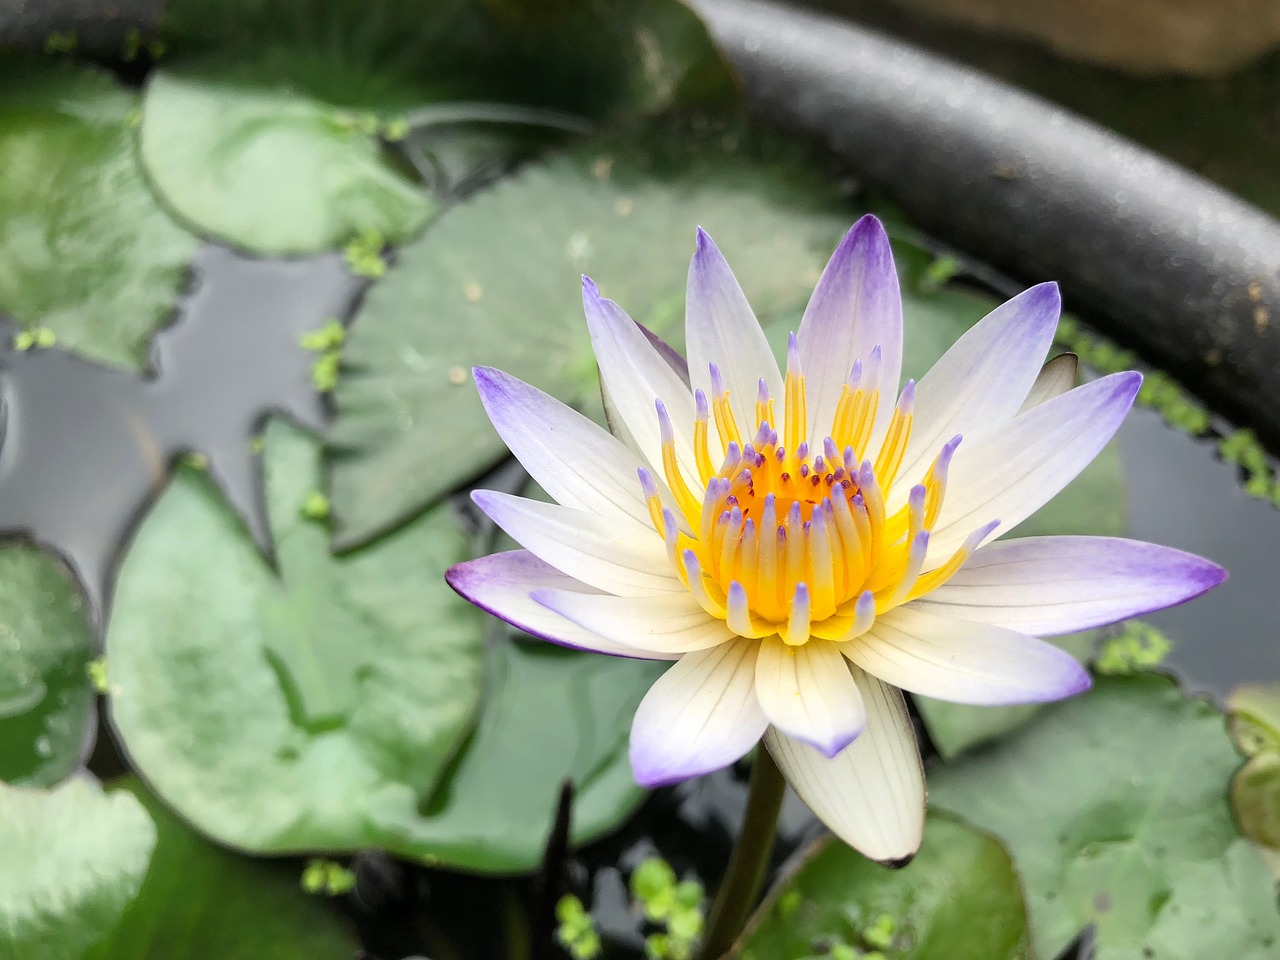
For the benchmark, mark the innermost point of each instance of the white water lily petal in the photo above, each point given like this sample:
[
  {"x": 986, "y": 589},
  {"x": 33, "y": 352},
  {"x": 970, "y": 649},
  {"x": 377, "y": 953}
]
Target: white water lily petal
[
  {"x": 721, "y": 328},
  {"x": 1056, "y": 378},
  {"x": 808, "y": 693},
  {"x": 855, "y": 308},
  {"x": 1010, "y": 475},
  {"x": 573, "y": 459},
  {"x": 981, "y": 382},
  {"x": 616, "y": 555},
  {"x": 635, "y": 376},
  {"x": 871, "y": 795},
  {"x": 501, "y": 583},
  {"x": 612, "y": 416},
  {"x": 700, "y": 716},
  {"x": 964, "y": 662},
  {"x": 1052, "y": 585},
  {"x": 665, "y": 623}
]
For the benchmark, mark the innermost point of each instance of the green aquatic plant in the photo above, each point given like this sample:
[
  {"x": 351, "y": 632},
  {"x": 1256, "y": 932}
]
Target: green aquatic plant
[
  {"x": 676, "y": 905},
  {"x": 575, "y": 930},
  {"x": 1138, "y": 646},
  {"x": 327, "y": 877}
]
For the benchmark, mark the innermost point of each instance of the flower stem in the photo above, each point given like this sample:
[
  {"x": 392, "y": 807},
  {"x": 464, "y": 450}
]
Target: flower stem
[{"x": 745, "y": 874}]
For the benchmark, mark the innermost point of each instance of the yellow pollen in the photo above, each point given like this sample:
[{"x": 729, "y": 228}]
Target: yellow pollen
[{"x": 791, "y": 532}]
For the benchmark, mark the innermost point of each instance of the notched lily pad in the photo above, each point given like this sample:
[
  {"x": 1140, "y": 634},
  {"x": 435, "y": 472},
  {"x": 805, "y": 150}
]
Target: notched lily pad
[
  {"x": 1113, "y": 806},
  {"x": 959, "y": 899},
  {"x": 273, "y": 710},
  {"x": 87, "y": 255},
  {"x": 46, "y": 700}
]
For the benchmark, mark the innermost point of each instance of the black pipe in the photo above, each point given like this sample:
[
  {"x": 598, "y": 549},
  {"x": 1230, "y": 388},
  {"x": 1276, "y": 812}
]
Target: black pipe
[{"x": 1186, "y": 272}]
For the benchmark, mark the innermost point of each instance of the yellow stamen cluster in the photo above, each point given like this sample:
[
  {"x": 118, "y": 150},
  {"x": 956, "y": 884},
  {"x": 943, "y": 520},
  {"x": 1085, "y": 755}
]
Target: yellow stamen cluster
[{"x": 792, "y": 540}]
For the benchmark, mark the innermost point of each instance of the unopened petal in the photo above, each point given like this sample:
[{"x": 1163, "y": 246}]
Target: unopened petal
[
  {"x": 1055, "y": 378},
  {"x": 501, "y": 584},
  {"x": 855, "y": 307},
  {"x": 871, "y": 794},
  {"x": 1051, "y": 585},
  {"x": 965, "y": 662},
  {"x": 808, "y": 693},
  {"x": 701, "y": 715},
  {"x": 721, "y": 328}
]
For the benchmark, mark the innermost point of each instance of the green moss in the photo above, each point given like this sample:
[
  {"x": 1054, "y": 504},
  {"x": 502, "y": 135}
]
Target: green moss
[
  {"x": 327, "y": 877},
  {"x": 576, "y": 931},
  {"x": 1137, "y": 647}
]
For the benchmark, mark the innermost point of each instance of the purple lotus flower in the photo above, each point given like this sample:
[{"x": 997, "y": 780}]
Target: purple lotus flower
[{"x": 803, "y": 547}]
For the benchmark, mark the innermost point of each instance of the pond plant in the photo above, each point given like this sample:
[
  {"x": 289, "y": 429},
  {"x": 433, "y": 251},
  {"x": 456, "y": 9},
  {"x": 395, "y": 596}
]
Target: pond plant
[{"x": 306, "y": 452}]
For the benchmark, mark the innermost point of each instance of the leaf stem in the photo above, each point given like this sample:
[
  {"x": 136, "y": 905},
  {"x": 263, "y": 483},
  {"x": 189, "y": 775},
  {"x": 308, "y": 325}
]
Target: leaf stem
[{"x": 740, "y": 888}]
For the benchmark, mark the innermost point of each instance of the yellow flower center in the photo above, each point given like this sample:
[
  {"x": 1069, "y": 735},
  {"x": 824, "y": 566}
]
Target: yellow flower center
[{"x": 794, "y": 539}]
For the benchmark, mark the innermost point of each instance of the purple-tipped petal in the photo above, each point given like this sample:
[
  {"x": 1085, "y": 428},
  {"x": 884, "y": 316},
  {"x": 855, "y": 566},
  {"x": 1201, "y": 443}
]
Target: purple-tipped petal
[
  {"x": 501, "y": 584},
  {"x": 573, "y": 459},
  {"x": 668, "y": 623},
  {"x": 634, "y": 375},
  {"x": 700, "y": 716},
  {"x": 721, "y": 328},
  {"x": 619, "y": 556},
  {"x": 1011, "y": 474},
  {"x": 964, "y": 662},
  {"x": 855, "y": 307},
  {"x": 981, "y": 382},
  {"x": 668, "y": 353},
  {"x": 871, "y": 794},
  {"x": 1052, "y": 585},
  {"x": 808, "y": 693}
]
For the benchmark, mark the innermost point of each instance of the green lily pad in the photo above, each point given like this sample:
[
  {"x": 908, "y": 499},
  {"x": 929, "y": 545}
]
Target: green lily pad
[
  {"x": 551, "y": 714},
  {"x": 201, "y": 902},
  {"x": 496, "y": 282},
  {"x": 960, "y": 899},
  {"x": 86, "y": 252},
  {"x": 74, "y": 858},
  {"x": 247, "y": 158},
  {"x": 1114, "y": 808},
  {"x": 289, "y": 145},
  {"x": 273, "y": 711},
  {"x": 46, "y": 700}
]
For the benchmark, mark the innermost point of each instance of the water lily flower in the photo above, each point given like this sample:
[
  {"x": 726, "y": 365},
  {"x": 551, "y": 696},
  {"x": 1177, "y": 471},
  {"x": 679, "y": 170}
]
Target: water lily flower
[{"x": 807, "y": 543}]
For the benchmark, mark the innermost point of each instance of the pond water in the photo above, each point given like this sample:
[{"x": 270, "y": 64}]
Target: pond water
[{"x": 86, "y": 448}]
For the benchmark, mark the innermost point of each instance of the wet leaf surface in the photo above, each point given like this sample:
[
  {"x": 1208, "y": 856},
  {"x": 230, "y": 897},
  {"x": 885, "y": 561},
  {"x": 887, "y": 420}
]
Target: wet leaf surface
[
  {"x": 201, "y": 902},
  {"x": 959, "y": 899},
  {"x": 1113, "y": 806},
  {"x": 83, "y": 855},
  {"x": 86, "y": 251},
  {"x": 46, "y": 701}
]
